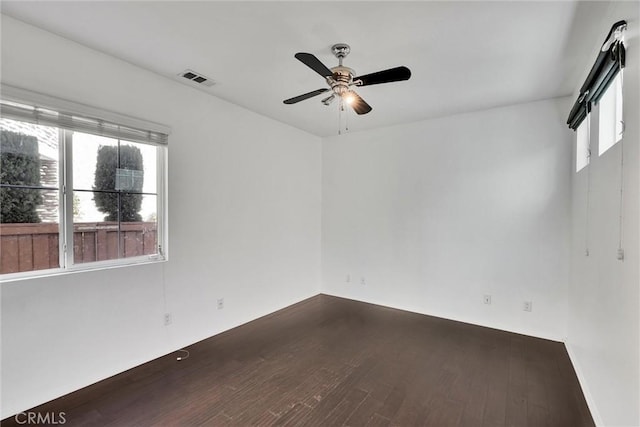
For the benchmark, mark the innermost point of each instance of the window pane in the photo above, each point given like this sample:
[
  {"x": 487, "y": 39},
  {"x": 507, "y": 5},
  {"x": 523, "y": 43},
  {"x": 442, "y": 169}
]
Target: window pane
[
  {"x": 86, "y": 149},
  {"x": 610, "y": 116},
  {"x": 112, "y": 217},
  {"x": 150, "y": 159},
  {"x": 141, "y": 237},
  {"x": 98, "y": 239},
  {"x": 140, "y": 160},
  {"x": 29, "y": 242},
  {"x": 29, "y": 197},
  {"x": 95, "y": 241},
  {"x": 29, "y": 154},
  {"x": 84, "y": 207}
]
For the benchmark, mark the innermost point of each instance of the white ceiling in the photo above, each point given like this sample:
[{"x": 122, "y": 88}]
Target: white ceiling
[{"x": 464, "y": 56}]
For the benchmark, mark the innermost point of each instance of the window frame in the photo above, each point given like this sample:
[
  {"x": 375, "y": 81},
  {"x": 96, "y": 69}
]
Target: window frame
[{"x": 65, "y": 179}]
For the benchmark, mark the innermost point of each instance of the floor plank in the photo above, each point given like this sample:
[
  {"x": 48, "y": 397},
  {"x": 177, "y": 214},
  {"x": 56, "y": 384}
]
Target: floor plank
[{"x": 329, "y": 361}]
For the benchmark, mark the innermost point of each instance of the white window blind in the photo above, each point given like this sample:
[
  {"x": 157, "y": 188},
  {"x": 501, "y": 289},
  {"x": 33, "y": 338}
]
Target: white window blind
[{"x": 49, "y": 111}]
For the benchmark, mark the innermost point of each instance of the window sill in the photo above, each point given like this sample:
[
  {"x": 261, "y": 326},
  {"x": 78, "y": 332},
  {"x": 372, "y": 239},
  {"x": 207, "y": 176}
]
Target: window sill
[{"x": 80, "y": 268}]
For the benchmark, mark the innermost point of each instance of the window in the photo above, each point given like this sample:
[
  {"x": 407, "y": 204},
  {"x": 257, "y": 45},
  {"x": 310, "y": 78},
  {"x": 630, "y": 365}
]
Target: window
[
  {"x": 603, "y": 87},
  {"x": 77, "y": 191},
  {"x": 29, "y": 196},
  {"x": 610, "y": 116},
  {"x": 582, "y": 145}
]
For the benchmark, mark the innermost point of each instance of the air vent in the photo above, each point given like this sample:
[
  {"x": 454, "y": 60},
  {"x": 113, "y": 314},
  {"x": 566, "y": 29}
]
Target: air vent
[{"x": 197, "y": 78}]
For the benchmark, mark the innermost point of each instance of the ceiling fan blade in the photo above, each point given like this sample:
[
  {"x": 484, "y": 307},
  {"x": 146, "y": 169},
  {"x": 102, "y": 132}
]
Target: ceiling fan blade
[
  {"x": 358, "y": 104},
  {"x": 305, "y": 96},
  {"x": 314, "y": 63},
  {"x": 386, "y": 76}
]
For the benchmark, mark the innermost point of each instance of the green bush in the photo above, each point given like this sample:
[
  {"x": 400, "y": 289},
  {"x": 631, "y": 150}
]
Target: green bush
[
  {"x": 19, "y": 165},
  {"x": 105, "y": 179}
]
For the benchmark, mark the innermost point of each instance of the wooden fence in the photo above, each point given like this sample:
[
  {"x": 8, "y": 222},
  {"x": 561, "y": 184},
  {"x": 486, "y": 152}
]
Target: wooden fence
[{"x": 26, "y": 247}]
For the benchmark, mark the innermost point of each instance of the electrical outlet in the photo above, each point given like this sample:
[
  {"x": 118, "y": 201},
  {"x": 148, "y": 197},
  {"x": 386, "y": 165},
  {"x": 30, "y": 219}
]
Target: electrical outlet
[
  {"x": 167, "y": 319},
  {"x": 487, "y": 299},
  {"x": 348, "y": 278},
  {"x": 362, "y": 281},
  {"x": 528, "y": 306},
  {"x": 220, "y": 303}
]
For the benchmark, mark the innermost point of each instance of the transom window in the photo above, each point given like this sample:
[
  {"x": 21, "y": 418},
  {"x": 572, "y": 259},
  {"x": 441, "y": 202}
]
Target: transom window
[{"x": 77, "y": 191}]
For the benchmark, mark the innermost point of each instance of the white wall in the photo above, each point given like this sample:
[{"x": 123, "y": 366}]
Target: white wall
[
  {"x": 438, "y": 213},
  {"x": 244, "y": 224},
  {"x": 604, "y": 296},
  {"x": 433, "y": 215}
]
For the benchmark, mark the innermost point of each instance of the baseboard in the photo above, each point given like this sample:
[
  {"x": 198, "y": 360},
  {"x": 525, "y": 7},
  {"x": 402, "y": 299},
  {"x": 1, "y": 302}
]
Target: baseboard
[
  {"x": 453, "y": 318},
  {"x": 583, "y": 384}
]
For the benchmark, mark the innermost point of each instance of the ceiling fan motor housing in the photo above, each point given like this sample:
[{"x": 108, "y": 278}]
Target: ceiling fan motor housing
[{"x": 341, "y": 79}]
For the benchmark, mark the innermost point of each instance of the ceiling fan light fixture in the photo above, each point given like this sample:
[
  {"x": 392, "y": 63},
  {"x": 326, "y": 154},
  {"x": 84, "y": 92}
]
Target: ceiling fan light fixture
[{"x": 348, "y": 98}]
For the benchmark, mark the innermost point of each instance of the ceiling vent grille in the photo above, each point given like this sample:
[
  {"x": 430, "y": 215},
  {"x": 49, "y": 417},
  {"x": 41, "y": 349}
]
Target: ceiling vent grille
[{"x": 197, "y": 78}]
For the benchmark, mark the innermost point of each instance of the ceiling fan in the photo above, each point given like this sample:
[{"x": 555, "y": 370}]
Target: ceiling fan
[{"x": 341, "y": 79}]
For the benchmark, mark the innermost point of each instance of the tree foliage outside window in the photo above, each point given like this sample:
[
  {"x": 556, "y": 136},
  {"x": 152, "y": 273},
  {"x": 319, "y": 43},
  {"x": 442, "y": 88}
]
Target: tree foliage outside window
[
  {"x": 117, "y": 205},
  {"x": 19, "y": 166}
]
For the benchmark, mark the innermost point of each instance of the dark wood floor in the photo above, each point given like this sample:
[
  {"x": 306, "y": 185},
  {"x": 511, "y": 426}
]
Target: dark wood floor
[{"x": 329, "y": 362}]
